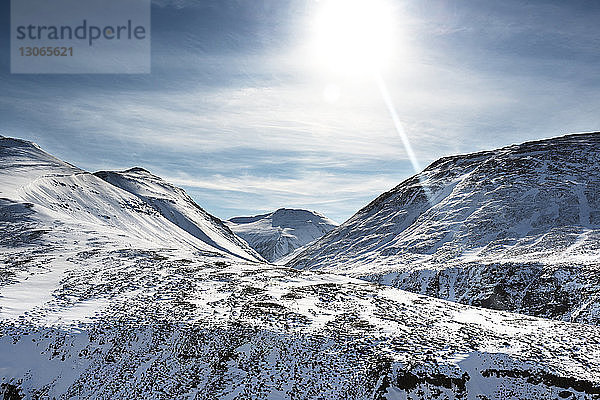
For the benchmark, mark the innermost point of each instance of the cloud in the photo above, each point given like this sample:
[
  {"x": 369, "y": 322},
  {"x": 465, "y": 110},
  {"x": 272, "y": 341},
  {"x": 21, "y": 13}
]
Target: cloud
[
  {"x": 234, "y": 109},
  {"x": 310, "y": 186},
  {"x": 267, "y": 119},
  {"x": 329, "y": 193}
]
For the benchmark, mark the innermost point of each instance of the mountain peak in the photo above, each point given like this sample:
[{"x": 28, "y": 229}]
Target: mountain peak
[
  {"x": 284, "y": 215},
  {"x": 275, "y": 235},
  {"x": 138, "y": 169},
  {"x": 103, "y": 280}
]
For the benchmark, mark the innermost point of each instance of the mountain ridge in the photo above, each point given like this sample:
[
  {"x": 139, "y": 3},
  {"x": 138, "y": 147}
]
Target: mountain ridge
[
  {"x": 62, "y": 191},
  {"x": 179, "y": 208},
  {"x": 515, "y": 229}
]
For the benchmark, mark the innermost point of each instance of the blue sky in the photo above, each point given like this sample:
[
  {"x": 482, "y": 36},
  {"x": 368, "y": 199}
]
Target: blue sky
[{"x": 234, "y": 108}]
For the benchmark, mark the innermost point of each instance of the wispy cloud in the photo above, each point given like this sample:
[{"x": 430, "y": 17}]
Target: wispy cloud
[
  {"x": 234, "y": 110},
  {"x": 324, "y": 192}
]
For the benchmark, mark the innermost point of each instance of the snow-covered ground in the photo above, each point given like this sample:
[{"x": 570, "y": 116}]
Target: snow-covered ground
[
  {"x": 135, "y": 306},
  {"x": 281, "y": 232}
]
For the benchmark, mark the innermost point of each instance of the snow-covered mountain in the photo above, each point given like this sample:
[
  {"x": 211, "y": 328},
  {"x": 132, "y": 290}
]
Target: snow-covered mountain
[
  {"x": 63, "y": 192},
  {"x": 279, "y": 233},
  {"x": 176, "y": 206},
  {"x": 101, "y": 296},
  {"x": 514, "y": 229}
]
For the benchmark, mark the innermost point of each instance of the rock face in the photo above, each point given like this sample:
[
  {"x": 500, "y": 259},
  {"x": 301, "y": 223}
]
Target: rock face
[
  {"x": 279, "y": 233},
  {"x": 513, "y": 229},
  {"x": 102, "y": 296}
]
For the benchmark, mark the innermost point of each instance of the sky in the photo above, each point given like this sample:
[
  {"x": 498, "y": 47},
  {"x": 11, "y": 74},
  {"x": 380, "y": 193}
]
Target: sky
[{"x": 243, "y": 111}]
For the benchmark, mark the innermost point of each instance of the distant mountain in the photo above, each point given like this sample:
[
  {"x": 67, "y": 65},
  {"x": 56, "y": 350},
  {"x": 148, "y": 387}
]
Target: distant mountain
[
  {"x": 515, "y": 229},
  {"x": 102, "y": 295},
  {"x": 279, "y": 233}
]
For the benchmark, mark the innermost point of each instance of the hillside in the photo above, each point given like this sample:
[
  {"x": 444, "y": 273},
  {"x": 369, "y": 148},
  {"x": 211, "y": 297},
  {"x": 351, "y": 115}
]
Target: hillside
[
  {"x": 175, "y": 205},
  {"x": 513, "y": 229}
]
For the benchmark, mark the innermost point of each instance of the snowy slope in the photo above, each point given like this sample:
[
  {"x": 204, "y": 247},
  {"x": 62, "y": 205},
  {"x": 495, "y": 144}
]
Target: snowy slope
[
  {"x": 176, "y": 206},
  {"x": 279, "y": 233},
  {"x": 92, "y": 310},
  {"x": 515, "y": 229},
  {"x": 60, "y": 191}
]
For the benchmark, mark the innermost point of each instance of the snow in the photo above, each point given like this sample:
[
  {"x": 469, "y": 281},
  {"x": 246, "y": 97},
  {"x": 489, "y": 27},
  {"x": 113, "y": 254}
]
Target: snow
[
  {"x": 497, "y": 230},
  {"x": 277, "y": 234},
  {"x": 33, "y": 290},
  {"x": 161, "y": 213},
  {"x": 137, "y": 306},
  {"x": 177, "y": 207}
]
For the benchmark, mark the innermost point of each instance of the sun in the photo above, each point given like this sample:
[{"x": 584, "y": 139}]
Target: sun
[{"x": 354, "y": 36}]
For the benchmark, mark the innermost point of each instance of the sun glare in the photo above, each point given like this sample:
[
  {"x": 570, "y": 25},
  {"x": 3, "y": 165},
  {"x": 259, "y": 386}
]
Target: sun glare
[
  {"x": 354, "y": 36},
  {"x": 357, "y": 37}
]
